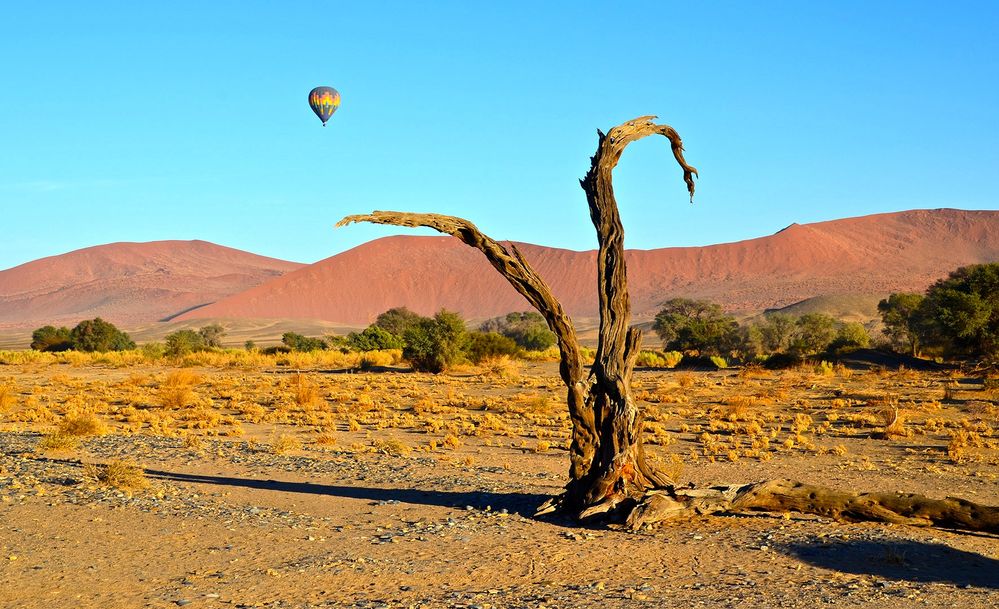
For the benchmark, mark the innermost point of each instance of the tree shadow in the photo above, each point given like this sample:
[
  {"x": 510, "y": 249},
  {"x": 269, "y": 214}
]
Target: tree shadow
[
  {"x": 902, "y": 559},
  {"x": 523, "y": 504}
]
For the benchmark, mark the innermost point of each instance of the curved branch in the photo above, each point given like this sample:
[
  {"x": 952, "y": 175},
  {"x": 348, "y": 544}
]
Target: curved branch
[
  {"x": 515, "y": 268},
  {"x": 613, "y": 350}
]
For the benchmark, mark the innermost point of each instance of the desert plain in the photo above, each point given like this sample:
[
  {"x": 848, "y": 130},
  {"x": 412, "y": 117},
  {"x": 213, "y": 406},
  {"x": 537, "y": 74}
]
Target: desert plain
[{"x": 244, "y": 480}]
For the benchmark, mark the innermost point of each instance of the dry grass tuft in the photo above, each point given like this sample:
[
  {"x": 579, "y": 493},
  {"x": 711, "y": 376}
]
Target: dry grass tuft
[
  {"x": 81, "y": 424},
  {"x": 325, "y": 438},
  {"x": 181, "y": 378},
  {"x": 392, "y": 446},
  {"x": 685, "y": 379},
  {"x": 8, "y": 397},
  {"x": 285, "y": 443},
  {"x": 175, "y": 397},
  {"x": 306, "y": 392},
  {"x": 57, "y": 443},
  {"x": 672, "y": 467},
  {"x": 502, "y": 366},
  {"x": 122, "y": 475},
  {"x": 893, "y": 420}
]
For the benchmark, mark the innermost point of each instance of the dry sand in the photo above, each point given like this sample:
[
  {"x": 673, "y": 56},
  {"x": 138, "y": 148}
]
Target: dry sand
[{"x": 227, "y": 522}]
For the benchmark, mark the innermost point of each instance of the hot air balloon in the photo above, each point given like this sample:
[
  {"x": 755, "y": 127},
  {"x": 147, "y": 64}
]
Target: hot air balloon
[{"x": 324, "y": 102}]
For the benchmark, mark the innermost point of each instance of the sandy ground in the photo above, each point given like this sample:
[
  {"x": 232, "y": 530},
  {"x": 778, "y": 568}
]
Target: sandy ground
[{"x": 230, "y": 523}]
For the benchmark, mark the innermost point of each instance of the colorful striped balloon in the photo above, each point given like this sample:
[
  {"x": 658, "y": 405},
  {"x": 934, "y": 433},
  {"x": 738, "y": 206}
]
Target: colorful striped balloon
[{"x": 324, "y": 102}]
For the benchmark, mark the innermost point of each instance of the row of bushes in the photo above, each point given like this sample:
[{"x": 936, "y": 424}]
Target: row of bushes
[
  {"x": 702, "y": 327},
  {"x": 956, "y": 317},
  {"x": 89, "y": 336},
  {"x": 428, "y": 343}
]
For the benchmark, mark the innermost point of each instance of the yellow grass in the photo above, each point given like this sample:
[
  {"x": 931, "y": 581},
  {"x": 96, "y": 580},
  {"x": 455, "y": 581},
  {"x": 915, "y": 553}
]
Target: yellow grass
[
  {"x": 57, "y": 442},
  {"x": 81, "y": 424},
  {"x": 122, "y": 475}
]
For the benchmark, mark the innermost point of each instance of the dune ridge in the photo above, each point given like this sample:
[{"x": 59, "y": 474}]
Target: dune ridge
[
  {"x": 129, "y": 283},
  {"x": 875, "y": 254}
]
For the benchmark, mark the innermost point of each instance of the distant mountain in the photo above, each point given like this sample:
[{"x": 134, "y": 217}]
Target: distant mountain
[
  {"x": 129, "y": 283},
  {"x": 865, "y": 256}
]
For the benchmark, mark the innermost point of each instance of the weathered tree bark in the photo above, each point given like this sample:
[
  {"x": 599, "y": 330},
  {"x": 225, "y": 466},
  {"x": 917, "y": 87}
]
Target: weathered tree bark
[
  {"x": 790, "y": 496},
  {"x": 618, "y": 471},
  {"x": 608, "y": 474}
]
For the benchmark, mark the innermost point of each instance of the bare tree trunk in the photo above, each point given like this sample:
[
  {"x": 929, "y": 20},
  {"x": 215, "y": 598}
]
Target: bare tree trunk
[
  {"x": 618, "y": 470},
  {"x": 608, "y": 474}
]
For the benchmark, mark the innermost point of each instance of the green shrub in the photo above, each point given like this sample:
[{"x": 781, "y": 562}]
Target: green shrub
[
  {"x": 373, "y": 338},
  {"x": 99, "y": 335},
  {"x": 528, "y": 330},
  {"x": 960, "y": 314},
  {"x": 297, "y": 342},
  {"x": 183, "y": 342},
  {"x": 50, "y": 338},
  {"x": 659, "y": 359},
  {"x": 434, "y": 344},
  {"x": 851, "y": 336},
  {"x": 396, "y": 321},
  {"x": 901, "y": 321},
  {"x": 212, "y": 335},
  {"x": 696, "y": 325},
  {"x": 814, "y": 333},
  {"x": 825, "y": 368},
  {"x": 484, "y": 345},
  {"x": 673, "y": 358},
  {"x": 650, "y": 359},
  {"x": 153, "y": 351}
]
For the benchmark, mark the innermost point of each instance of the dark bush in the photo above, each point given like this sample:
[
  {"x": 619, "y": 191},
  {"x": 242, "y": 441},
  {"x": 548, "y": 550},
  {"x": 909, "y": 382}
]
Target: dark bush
[
  {"x": 99, "y": 335},
  {"x": 50, "y": 338},
  {"x": 528, "y": 330},
  {"x": 396, "y": 321},
  {"x": 434, "y": 344},
  {"x": 297, "y": 342},
  {"x": 373, "y": 338},
  {"x": 483, "y": 345},
  {"x": 182, "y": 342}
]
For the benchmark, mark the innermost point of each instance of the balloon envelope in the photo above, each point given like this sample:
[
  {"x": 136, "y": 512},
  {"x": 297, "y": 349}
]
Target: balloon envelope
[{"x": 324, "y": 102}]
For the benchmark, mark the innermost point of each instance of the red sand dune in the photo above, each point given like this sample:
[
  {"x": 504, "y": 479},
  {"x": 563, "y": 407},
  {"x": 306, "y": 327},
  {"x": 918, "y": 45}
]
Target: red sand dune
[
  {"x": 129, "y": 283},
  {"x": 875, "y": 254}
]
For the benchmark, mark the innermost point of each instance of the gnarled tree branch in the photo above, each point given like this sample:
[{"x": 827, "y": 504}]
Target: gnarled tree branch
[
  {"x": 789, "y": 496},
  {"x": 515, "y": 268}
]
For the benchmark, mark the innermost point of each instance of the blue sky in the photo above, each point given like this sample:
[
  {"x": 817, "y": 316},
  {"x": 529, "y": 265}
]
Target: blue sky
[{"x": 124, "y": 121}]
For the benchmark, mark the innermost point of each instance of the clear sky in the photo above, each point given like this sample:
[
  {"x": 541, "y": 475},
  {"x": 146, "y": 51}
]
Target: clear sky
[{"x": 137, "y": 121}]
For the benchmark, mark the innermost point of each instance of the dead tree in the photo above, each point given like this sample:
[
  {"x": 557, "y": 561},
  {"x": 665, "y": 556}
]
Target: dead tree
[{"x": 609, "y": 477}]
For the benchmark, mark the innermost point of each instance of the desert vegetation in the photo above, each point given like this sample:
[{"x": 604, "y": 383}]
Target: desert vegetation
[{"x": 89, "y": 335}]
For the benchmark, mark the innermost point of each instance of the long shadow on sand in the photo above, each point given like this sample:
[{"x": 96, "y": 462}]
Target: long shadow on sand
[
  {"x": 523, "y": 504},
  {"x": 901, "y": 559}
]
